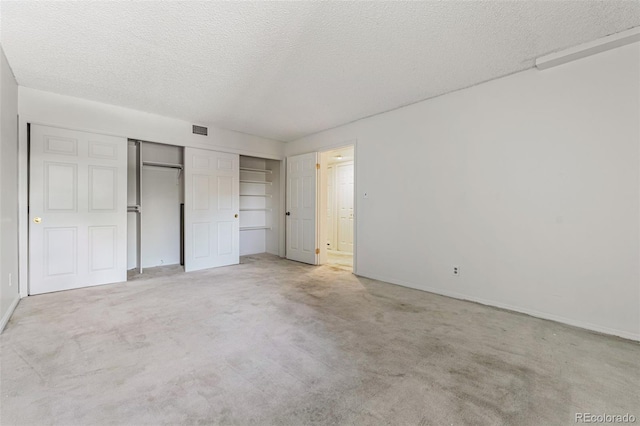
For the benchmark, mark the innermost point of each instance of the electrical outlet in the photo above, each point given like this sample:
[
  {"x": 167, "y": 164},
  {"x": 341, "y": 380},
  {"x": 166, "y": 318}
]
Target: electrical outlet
[{"x": 456, "y": 270}]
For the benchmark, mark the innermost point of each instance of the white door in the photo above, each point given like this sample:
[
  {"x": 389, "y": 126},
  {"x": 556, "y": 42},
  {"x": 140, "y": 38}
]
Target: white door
[
  {"x": 211, "y": 230},
  {"x": 301, "y": 208},
  {"x": 331, "y": 209},
  {"x": 77, "y": 209},
  {"x": 345, "y": 208}
]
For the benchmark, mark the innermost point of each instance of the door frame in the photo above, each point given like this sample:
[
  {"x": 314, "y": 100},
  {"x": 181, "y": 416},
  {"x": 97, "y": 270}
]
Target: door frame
[
  {"x": 24, "y": 171},
  {"x": 319, "y": 205}
]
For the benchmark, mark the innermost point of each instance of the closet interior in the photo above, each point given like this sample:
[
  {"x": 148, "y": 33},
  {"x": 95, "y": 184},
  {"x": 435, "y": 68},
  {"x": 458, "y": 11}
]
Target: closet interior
[
  {"x": 260, "y": 212},
  {"x": 155, "y": 205}
]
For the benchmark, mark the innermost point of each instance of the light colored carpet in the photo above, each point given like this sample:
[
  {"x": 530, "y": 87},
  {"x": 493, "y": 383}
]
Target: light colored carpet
[
  {"x": 340, "y": 259},
  {"x": 273, "y": 342}
]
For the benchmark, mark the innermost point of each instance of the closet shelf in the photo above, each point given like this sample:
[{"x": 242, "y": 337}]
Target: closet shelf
[
  {"x": 253, "y": 228},
  {"x": 166, "y": 165},
  {"x": 264, "y": 182},
  {"x": 256, "y": 195},
  {"x": 255, "y": 210},
  {"x": 246, "y": 169}
]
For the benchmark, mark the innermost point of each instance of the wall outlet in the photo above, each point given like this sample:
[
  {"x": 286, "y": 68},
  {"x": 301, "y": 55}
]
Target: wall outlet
[{"x": 456, "y": 270}]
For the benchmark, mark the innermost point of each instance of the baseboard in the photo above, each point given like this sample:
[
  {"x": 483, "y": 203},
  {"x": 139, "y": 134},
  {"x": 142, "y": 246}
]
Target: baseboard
[
  {"x": 531, "y": 312},
  {"x": 7, "y": 315}
]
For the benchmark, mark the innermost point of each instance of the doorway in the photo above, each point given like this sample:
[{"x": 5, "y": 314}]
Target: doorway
[{"x": 336, "y": 228}]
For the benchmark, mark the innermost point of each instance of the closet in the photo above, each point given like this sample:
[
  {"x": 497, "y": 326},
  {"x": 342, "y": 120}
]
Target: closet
[
  {"x": 155, "y": 205},
  {"x": 260, "y": 210},
  {"x": 156, "y": 197}
]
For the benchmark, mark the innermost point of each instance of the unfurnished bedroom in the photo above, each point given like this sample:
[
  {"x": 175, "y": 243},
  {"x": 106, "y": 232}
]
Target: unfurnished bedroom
[{"x": 319, "y": 213}]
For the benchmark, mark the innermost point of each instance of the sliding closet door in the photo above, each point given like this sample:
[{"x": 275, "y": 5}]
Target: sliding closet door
[
  {"x": 211, "y": 209},
  {"x": 77, "y": 209}
]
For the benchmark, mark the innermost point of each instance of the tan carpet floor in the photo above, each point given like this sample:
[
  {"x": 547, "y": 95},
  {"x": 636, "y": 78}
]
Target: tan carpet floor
[{"x": 274, "y": 342}]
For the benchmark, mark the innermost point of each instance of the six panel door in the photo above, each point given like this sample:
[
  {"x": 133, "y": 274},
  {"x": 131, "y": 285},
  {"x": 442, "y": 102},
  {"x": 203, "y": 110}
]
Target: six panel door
[
  {"x": 345, "y": 208},
  {"x": 331, "y": 209},
  {"x": 301, "y": 208},
  {"x": 77, "y": 209},
  {"x": 212, "y": 200}
]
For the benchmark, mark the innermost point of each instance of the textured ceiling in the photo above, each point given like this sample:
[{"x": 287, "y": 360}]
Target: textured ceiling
[{"x": 287, "y": 69}]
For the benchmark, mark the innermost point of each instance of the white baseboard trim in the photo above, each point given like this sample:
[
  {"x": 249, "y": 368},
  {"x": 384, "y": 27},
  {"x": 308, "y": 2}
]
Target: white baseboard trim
[
  {"x": 532, "y": 312},
  {"x": 7, "y": 315}
]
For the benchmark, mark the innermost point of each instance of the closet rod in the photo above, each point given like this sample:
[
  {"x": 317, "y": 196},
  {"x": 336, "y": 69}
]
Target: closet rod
[{"x": 167, "y": 165}]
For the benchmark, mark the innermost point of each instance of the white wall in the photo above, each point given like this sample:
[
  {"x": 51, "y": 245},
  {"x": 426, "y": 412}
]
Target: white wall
[
  {"x": 36, "y": 106},
  {"x": 9, "y": 291},
  {"x": 52, "y": 109},
  {"x": 529, "y": 183}
]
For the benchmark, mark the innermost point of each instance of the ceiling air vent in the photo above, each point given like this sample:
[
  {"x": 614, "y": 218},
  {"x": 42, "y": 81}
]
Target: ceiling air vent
[{"x": 199, "y": 130}]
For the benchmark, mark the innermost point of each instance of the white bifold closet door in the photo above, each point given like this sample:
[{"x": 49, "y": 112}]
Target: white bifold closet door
[
  {"x": 212, "y": 198},
  {"x": 301, "y": 208},
  {"x": 77, "y": 209}
]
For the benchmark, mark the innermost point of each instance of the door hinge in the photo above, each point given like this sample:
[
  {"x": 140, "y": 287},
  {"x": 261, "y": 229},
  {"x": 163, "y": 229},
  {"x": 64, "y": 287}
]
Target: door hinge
[
  {"x": 317, "y": 251},
  {"x": 318, "y": 166}
]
